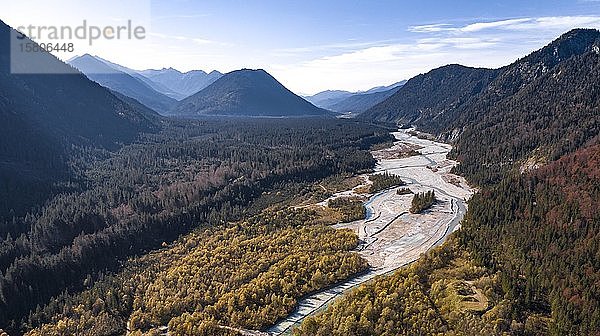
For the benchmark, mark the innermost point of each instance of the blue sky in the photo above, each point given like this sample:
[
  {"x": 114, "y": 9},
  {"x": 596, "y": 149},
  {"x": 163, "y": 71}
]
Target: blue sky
[{"x": 316, "y": 45}]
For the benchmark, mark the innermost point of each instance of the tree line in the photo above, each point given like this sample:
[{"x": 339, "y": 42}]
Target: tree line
[{"x": 422, "y": 201}]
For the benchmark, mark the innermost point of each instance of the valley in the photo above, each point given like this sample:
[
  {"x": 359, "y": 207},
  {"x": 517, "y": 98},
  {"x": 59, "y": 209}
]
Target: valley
[
  {"x": 390, "y": 236},
  {"x": 462, "y": 201}
]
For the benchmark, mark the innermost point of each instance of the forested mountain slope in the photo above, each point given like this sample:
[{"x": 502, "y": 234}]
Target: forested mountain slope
[
  {"x": 527, "y": 259},
  {"x": 44, "y": 116},
  {"x": 542, "y": 231},
  {"x": 553, "y": 115},
  {"x": 193, "y": 174},
  {"x": 530, "y": 112},
  {"x": 423, "y": 98},
  {"x": 436, "y": 101}
]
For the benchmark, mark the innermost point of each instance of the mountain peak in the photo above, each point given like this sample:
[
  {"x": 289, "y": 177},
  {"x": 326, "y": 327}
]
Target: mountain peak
[
  {"x": 572, "y": 43},
  {"x": 249, "y": 77},
  {"x": 243, "y": 71},
  {"x": 181, "y": 85},
  {"x": 577, "y": 40},
  {"x": 90, "y": 64},
  {"x": 195, "y": 72},
  {"x": 432, "y": 96},
  {"x": 247, "y": 92},
  {"x": 171, "y": 69},
  {"x": 581, "y": 33}
]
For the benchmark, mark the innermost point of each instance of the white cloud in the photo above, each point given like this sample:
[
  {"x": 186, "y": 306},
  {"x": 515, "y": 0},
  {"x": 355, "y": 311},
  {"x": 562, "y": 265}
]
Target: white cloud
[
  {"x": 369, "y": 55},
  {"x": 331, "y": 48},
  {"x": 363, "y": 69},
  {"x": 460, "y": 42},
  {"x": 495, "y": 24},
  {"x": 474, "y": 27},
  {"x": 479, "y": 44},
  {"x": 560, "y": 23},
  {"x": 196, "y": 40},
  {"x": 431, "y": 28},
  {"x": 518, "y": 24}
]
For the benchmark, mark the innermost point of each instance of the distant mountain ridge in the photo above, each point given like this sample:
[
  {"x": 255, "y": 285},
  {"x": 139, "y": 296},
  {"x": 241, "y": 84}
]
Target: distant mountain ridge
[
  {"x": 157, "y": 89},
  {"x": 360, "y": 102},
  {"x": 353, "y": 102},
  {"x": 328, "y": 97},
  {"x": 124, "y": 81},
  {"x": 241, "y": 93},
  {"x": 182, "y": 85},
  {"x": 156, "y": 86},
  {"x": 384, "y": 87},
  {"x": 246, "y": 93}
]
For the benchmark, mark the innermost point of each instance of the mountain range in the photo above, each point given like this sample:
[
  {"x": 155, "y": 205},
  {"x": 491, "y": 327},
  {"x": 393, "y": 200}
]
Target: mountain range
[
  {"x": 181, "y": 85},
  {"x": 238, "y": 93},
  {"x": 124, "y": 81},
  {"x": 457, "y": 103},
  {"x": 359, "y": 102},
  {"x": 353, "y": 102},
  {"x": 169, "y": 92},
  {"x": 157, "y": 89},
  {"x": 328, "y": 97}
]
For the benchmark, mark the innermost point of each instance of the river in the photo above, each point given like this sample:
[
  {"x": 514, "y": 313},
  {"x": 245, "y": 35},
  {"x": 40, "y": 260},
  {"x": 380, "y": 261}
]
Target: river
[{"x": 390, "y": 236}]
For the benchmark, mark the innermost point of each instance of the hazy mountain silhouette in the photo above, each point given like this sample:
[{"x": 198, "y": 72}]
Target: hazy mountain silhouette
[
  {"x": 124, "y": 81},
  {"x": 328, "y": 98},
  {"x": 182, "y": 85},
  {"x": 360, "y": 102},
  {"x": 353, "y": 102}
]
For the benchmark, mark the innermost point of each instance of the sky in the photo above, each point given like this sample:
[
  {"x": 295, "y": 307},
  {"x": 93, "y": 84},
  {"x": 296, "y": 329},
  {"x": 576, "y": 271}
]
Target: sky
[{"x": 309, "y": 45}]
